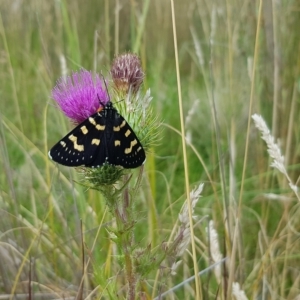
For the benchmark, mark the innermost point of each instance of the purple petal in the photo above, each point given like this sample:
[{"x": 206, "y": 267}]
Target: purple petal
[{"x": 80, "y": 95}]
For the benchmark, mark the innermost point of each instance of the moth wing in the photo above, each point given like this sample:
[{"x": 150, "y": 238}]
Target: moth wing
[
  {"x": 125, "y": 148},
  {"x": 83, "y": 145}
]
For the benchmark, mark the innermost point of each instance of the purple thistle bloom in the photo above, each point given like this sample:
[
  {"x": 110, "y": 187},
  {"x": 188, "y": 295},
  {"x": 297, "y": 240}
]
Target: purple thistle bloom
[{"x": 78, "y": 95}]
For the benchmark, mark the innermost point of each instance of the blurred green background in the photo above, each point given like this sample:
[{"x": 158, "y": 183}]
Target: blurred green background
[{"x": 220, "y": 43}]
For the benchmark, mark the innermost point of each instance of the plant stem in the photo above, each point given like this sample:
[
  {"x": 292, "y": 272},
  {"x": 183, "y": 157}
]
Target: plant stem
[{"x": 130, "y": 275}]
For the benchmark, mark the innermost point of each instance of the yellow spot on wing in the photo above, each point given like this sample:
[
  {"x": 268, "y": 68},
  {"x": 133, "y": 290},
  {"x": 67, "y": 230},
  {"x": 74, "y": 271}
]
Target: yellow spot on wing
[
  {"x": 127, "y": 133},
  {"x": 78, "y": 147},
  {"x": 84, "y": 129},
  {"x": 96, "y": 142},
  {"x": 92, "y": 121},
  {"x": 98, "y": 126},
  {"x": 117, "y": 143},
  {"x": 132, "y": 144},
  {"x": 117, "y": 128},
  {"x": 63, "y": 143}
]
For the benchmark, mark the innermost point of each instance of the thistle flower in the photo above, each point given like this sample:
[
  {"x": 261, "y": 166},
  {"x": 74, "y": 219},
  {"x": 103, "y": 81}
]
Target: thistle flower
[
  {"x": 127, "y": 73},
  {"x": 78, "y": 95},
  {"x": 105, "y": 147}
]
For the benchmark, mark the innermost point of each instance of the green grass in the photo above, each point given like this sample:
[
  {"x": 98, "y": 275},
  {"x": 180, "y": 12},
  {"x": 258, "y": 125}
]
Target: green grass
[{"x": 219, "y": 46}]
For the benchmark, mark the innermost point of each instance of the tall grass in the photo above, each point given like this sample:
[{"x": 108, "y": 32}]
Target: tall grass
[{"x": 236, "y": 58}]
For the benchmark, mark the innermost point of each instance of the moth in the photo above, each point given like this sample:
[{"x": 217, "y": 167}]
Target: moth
[{"x": 103, "y": 138}]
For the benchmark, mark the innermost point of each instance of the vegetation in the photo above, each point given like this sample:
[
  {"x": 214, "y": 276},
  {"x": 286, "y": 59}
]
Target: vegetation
[{"x": 235, "y": 59}]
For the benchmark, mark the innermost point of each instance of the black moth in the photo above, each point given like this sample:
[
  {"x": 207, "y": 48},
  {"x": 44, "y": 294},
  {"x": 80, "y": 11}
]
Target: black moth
[{"x": 103, "y": 138}]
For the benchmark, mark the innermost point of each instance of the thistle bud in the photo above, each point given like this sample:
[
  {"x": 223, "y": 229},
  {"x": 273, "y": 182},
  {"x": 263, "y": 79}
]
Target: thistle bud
[{"x": 127, "y": 73}]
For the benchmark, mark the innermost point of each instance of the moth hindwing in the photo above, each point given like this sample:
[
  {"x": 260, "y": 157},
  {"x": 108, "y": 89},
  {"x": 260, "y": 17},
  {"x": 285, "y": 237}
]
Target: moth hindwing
[{"x": 103, "y": 138}]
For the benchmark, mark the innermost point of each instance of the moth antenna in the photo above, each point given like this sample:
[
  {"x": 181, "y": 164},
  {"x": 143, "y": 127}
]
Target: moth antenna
[
  {"x": 103, "y": 104},
  {"x": 106, "y": 87}
]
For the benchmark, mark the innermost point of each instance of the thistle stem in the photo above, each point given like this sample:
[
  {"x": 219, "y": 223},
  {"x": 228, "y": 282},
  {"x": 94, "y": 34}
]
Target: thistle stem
[
  {"x": 126, "y": 236},
  {"x": 131, "y": 278}
]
